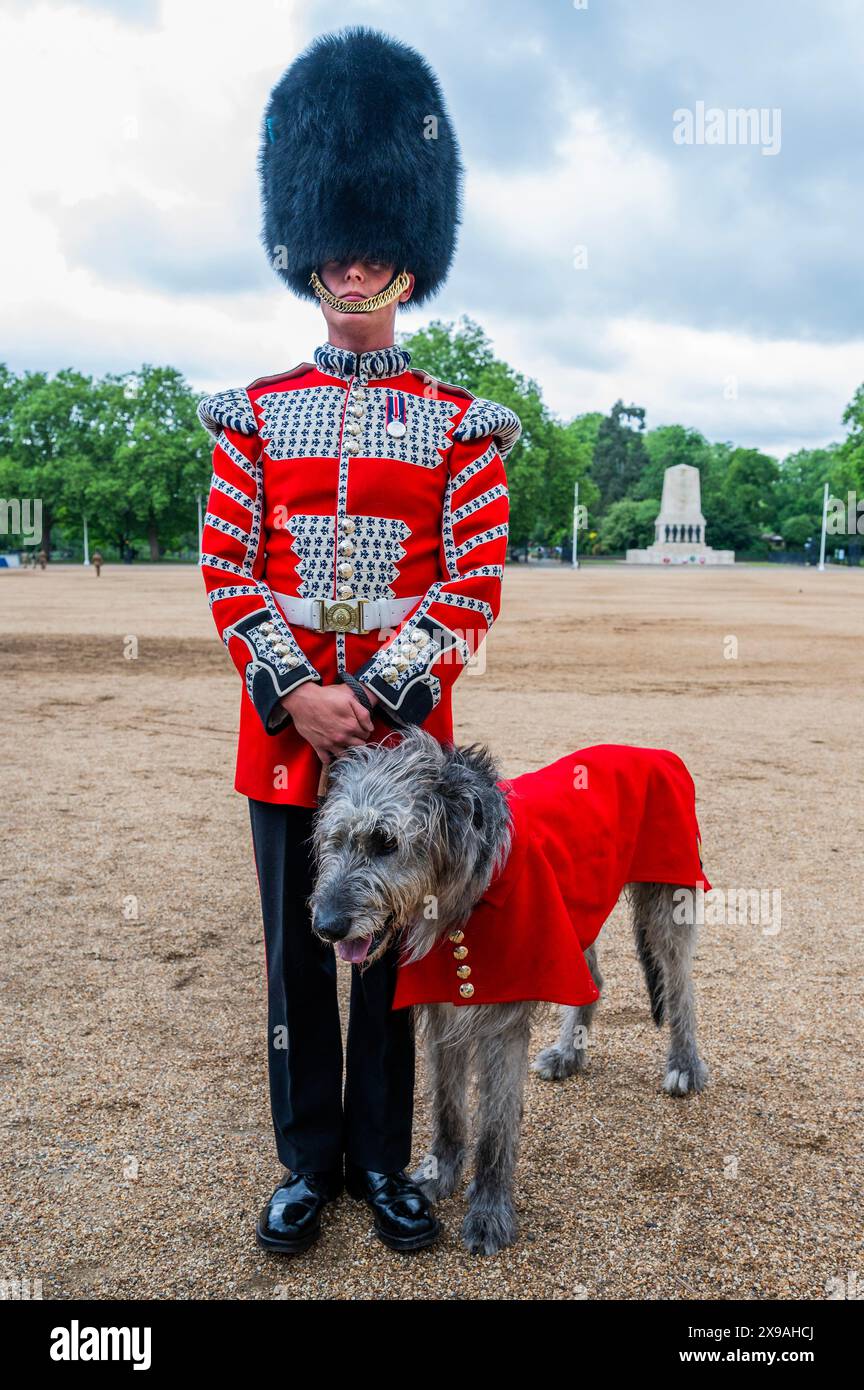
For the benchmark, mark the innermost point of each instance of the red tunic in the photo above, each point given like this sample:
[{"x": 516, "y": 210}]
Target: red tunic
[
  {"x": 354, "y": 477},
  {"x": 582, "y": 828}
]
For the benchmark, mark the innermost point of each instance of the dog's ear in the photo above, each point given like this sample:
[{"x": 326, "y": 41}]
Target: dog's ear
[
  {"x": 461, "y": 787},
  {"x": 479, "y": 759}
]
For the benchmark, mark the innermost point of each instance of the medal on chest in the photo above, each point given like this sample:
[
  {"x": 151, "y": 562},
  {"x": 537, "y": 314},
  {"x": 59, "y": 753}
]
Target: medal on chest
[{"x": 396, "y": 415}]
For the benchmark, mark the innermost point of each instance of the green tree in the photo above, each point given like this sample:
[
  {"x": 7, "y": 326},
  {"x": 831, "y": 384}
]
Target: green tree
[
  {"x": 628, "y": 524},
  {"x": 160, "y": 454},
  {"x": 666, "y": 446},
  {"x": 50, "y": 436},
  {"x": 744, "y": 506},
  {"x": 800, "y": 488},
  {"x": 456, "y": 353},
  {"x": 853, "y": 445},
  {"x": 570, "y": 452},
  {"x": 619, "y": 454},
  {"x": 795, "y": 530}
]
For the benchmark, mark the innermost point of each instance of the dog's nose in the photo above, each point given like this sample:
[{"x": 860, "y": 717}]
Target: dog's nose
[{"x": 332, "y": 928}]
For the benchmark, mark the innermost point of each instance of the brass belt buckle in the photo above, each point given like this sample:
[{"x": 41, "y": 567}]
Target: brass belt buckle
[{"x": 341, "y": 616}]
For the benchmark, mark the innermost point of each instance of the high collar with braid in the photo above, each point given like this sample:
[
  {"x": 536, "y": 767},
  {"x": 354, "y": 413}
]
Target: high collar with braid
[{"x": 378, "y": 363}]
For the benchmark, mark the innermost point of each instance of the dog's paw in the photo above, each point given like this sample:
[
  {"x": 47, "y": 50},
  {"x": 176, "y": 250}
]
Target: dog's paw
[
  {"x": 486, "y": 1230},
  {"x": 554, "y": 1065},
  {"x": 438, "y": 1179},
  {"x": 685, "y": 1077}
]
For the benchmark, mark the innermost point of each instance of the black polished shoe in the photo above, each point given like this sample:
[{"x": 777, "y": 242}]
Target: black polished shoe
[
  {"x": 403, "y": 1217},
  {"x": 291, "y": 1220}
]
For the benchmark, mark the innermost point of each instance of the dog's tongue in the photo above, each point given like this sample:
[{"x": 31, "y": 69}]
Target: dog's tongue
[{"x": 355, "y": 950}]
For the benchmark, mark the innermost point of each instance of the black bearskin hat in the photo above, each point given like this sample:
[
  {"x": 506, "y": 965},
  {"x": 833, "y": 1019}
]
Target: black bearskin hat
[{"x": 358, "y": 158}]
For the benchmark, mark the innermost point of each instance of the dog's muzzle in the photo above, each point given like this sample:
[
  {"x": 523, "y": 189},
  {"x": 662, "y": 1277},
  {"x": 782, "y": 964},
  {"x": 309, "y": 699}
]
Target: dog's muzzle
[{"x": 335, "y": 930}]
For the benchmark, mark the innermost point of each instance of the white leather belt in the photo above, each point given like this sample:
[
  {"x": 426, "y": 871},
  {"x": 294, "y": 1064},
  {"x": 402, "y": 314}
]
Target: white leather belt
[{"x": 345, "y": 615}]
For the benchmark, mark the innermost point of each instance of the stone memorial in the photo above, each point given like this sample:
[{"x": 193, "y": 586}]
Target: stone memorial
[{"x": 679, "y": 531}]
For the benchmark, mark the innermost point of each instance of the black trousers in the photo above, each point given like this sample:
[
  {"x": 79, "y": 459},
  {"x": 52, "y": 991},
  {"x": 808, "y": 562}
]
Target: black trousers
[{"x": 314, "y": 1126}]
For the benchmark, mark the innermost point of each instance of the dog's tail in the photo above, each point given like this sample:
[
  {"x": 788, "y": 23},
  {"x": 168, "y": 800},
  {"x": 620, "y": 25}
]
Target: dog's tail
[
  {"x": 650, "y": 968},
  {"x": 653, "y": 977}
]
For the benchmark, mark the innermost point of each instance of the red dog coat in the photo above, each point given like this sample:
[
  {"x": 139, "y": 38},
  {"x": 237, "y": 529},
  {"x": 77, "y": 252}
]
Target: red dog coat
[{"x": 583, "y": 827}]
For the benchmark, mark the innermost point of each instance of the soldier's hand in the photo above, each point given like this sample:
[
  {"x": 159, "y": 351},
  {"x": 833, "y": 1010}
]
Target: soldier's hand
[{"x": 329, "y": 717}]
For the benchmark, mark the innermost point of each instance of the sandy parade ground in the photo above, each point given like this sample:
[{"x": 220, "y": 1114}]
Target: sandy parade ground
[{"x": 137, "y": 1146}]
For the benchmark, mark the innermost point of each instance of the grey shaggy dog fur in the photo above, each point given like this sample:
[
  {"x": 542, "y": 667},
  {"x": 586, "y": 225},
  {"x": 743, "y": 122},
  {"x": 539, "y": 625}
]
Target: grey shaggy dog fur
[{"x": 407, "y": 839}]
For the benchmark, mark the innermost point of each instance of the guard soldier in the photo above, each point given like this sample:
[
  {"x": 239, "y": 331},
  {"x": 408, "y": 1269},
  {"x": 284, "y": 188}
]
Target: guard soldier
[{"x": 353, "y": 553}]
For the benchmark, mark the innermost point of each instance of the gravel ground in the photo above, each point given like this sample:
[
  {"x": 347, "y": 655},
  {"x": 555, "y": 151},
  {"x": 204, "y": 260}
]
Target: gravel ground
[{"x": 137, "y": 1146}]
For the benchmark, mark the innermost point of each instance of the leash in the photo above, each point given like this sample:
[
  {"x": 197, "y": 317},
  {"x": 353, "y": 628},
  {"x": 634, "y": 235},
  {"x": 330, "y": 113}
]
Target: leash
[{"x": 323, "y": 781}]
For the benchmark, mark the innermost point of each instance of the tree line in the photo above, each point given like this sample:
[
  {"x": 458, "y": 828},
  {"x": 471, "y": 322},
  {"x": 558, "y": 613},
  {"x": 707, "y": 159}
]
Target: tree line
[
  {"x": 127, "y": 454},
  {"x": 747, "y": 495}
]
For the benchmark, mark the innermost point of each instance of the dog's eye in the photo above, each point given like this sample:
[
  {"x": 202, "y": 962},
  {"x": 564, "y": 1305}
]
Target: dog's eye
[{"x": 381, "y": 842}]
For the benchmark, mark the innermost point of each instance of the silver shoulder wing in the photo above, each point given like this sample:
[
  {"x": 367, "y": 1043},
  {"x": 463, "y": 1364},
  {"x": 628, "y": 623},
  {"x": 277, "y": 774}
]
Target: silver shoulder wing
[
  {"x": 227, "y": 410},
  {"x": 488, "y": 418}
]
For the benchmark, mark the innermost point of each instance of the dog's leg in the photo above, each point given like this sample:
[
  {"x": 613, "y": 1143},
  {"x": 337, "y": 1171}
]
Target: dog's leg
[
  {"x": 569, "y": 1055},
  {"x": 502, "y": 1057},
  {"x": 665, "y": 949},
  {"x": 448, "y": 1067}
]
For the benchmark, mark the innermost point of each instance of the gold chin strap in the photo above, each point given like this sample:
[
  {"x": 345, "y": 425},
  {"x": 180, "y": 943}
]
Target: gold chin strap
[{"x": 398, "y": 285}]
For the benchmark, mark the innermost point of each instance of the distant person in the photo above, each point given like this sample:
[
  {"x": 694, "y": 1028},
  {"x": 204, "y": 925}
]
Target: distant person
[
  {"x": 96, "y": 562},
  {"x": 42, "y": 559}
]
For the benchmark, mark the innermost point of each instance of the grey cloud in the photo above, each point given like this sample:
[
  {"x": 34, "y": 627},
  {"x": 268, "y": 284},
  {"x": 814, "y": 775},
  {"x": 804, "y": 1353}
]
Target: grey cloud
[{"x": 129, "y": 241}]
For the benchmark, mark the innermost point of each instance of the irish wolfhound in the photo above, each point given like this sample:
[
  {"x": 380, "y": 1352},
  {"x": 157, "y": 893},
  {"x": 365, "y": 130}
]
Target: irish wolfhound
[{"x": 417, "y": 822}]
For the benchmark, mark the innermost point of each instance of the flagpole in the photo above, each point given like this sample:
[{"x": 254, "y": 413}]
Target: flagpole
[
  {"x": 575, "y": 552},
  {"x": 824, "y": 528}
]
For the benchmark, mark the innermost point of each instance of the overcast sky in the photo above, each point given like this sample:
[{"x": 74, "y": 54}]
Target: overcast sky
[{"x": 719, "y": 285}]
